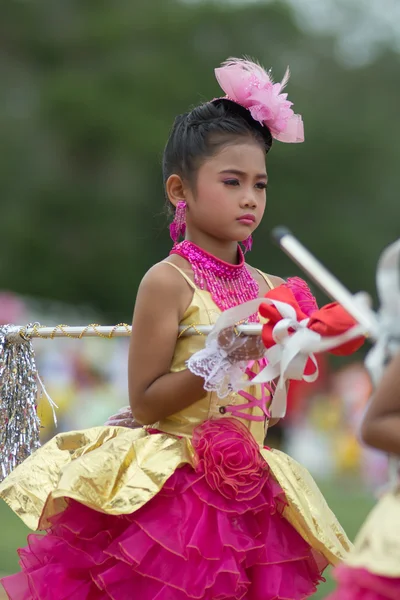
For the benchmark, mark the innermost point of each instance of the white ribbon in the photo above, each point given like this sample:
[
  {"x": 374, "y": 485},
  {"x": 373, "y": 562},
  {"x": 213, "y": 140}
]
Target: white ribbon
[
  {"x": 51, "y": 402},
  {"x": 295, "y": 345},
  {"x": 288, "y": 358}
]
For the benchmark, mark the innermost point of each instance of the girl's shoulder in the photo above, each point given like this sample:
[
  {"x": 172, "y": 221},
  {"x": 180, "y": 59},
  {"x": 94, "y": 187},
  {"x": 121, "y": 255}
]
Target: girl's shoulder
[
  {"x": 169, "y": 281},
  {"x": 170, "y": 272}
]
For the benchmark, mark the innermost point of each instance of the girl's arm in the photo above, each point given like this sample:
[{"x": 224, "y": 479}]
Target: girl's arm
[
  {"x": 381, "y": 425},
  {"x": 154, "y": 392}
]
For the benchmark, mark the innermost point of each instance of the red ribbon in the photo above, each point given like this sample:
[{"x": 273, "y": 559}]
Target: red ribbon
[{"x": 330, "y": 320}]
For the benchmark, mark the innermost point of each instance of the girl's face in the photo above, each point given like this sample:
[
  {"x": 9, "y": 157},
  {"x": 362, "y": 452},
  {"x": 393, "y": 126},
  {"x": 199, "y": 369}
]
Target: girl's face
[{"x": 228, "y": 199}]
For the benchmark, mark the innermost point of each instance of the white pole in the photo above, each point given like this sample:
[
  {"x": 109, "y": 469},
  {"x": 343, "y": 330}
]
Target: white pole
[
  {"x": 123, "y": 330},
  {"x": 326, "y": 281}
]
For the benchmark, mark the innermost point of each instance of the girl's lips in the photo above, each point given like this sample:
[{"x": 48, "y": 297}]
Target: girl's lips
[{"x": 247, "y": 219}]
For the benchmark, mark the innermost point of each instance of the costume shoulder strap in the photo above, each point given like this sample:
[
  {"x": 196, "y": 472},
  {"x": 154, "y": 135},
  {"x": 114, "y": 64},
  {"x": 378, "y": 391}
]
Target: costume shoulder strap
[
  {"x": 189, "y": 281},
  {"x": 266, "y": 279}
]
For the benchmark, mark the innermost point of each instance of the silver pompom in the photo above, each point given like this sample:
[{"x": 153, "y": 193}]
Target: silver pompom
[{"x": 19, "y": 422}]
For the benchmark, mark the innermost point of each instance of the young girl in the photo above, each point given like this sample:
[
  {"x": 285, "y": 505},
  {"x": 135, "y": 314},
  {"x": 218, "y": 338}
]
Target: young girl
[
  {"x": 191, "y": 505},
  {"x": 372, "y": 570}
]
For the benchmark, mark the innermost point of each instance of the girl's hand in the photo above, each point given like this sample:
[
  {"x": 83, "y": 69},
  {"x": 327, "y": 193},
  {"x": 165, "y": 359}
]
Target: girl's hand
[
  {"x": 241, "y": 347},
  {"x": 123, "y": 418},
  {"x": 251, "y": 349}
]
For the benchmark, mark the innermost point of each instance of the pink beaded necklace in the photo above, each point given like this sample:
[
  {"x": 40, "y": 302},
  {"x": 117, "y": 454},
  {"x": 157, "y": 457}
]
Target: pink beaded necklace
[{"x": 229, "y": 285}]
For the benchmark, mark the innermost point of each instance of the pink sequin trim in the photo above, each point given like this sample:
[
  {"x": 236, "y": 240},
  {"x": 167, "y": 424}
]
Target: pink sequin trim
[{"x": 229, "y": 285}]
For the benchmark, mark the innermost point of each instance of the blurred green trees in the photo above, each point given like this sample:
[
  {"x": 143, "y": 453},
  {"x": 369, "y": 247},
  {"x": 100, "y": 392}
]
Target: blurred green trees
[{"x": 88, "y": 92}]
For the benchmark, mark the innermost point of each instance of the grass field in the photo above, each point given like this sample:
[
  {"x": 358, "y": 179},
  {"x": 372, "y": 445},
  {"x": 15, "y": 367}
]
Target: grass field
[{"x": 350, "y": 503}]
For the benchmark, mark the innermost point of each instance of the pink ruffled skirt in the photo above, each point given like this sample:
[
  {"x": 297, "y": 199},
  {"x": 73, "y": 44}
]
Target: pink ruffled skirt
[
  {"x": 360, "y": 584},
  {"x": 213, "y": 532}
]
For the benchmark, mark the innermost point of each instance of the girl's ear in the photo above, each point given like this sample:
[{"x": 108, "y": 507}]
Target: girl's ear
[{"x": 175, "y": 189}]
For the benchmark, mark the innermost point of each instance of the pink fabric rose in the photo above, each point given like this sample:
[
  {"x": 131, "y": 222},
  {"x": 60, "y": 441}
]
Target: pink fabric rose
[{"x": 229, "y": 458}]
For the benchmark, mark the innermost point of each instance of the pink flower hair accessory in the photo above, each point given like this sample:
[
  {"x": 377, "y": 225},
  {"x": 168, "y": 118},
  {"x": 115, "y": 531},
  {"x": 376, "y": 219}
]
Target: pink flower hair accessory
[{"x": 251, "y": 86}]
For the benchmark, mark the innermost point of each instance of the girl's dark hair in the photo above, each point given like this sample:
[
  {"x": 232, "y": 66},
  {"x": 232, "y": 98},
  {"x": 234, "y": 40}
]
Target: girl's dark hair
[{"x": 198, "y": 135}]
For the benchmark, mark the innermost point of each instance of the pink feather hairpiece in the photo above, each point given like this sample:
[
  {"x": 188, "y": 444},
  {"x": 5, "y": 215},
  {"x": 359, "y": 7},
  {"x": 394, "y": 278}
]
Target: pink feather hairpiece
[{"x": 250, "y": 85}]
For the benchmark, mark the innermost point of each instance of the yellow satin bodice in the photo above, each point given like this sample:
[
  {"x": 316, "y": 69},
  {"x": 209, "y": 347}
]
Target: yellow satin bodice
[{"x": 203, "y": 311}]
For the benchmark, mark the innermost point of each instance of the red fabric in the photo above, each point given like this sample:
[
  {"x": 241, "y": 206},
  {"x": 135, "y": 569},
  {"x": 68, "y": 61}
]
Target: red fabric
[
  {"x": 283, "y": 294},
  {"x": 330, "y": 320}
]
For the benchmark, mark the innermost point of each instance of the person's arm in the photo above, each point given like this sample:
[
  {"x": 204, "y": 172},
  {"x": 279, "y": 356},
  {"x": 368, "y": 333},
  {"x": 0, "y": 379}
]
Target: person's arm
[
  {"x": 154, "y": 392},
  {"x": 381, "y": 424}
]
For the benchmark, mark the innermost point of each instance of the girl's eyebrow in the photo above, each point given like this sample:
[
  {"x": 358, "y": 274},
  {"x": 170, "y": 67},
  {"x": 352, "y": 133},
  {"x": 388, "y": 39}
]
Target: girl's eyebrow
[{"x": 238, "y": 172}]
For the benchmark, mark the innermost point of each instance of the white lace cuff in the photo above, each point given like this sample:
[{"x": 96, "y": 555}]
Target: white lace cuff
[{"x": 219, "y": 373}]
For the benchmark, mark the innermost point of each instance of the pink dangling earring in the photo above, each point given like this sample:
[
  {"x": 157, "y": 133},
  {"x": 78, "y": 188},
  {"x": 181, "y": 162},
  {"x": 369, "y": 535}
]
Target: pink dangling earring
[
  {"x": 248, "y": 244},
  {"x": 177, "y": 228}
]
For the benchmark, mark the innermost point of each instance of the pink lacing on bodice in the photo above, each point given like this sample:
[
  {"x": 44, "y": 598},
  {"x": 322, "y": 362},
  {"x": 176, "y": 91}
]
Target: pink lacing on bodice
[{"x": 266, "y": 394}]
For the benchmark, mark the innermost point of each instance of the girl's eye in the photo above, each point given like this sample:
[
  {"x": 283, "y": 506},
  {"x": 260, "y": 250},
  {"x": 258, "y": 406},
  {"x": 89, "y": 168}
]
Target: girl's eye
[
  {"x": 231, "y": 182},
  {"x": 261, "y": 185}
]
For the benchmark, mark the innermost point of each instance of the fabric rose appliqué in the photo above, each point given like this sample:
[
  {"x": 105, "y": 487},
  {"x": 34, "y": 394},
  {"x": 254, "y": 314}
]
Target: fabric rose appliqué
[{"x": 229, "y": 458}]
